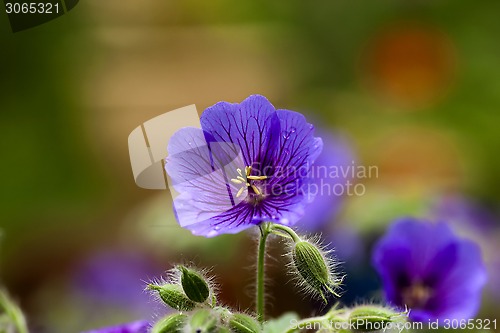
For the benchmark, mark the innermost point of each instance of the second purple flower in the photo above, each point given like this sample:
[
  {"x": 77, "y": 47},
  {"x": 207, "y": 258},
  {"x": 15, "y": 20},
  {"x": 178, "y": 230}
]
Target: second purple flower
[{"x": 426, "y": 267}]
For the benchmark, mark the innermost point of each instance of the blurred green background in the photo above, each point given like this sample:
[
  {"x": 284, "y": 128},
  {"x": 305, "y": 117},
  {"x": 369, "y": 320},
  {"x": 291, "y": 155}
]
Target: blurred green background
[{"x": 415, "y": 86}]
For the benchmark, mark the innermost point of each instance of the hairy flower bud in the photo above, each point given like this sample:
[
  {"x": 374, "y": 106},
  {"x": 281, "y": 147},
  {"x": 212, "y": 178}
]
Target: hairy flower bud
[
  {"x": 173, "y": 296},
  {"x": 203, "y": 321},
  {"x": 223, "y": 313},
  {"x": 194, "y": 285},
  {"x": 173, "y": 323},
  {"x": 314, "y": 268},
  {"x": 243, "y": 323},
  {"x": 368, "y": 318}
]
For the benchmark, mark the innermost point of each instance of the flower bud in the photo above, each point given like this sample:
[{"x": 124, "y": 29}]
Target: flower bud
[
  {"x": 223, "y": 313},
  {"x": 173, "y": 296},
  {"x": 368, "y": 318},
  {"x": 242, "y": 323},
  {"x": 203, "y": 321},
  {"x": 173, "y": 323},
  {"x": 315, "y": 270},
  {"x": 194, "y": 285}
]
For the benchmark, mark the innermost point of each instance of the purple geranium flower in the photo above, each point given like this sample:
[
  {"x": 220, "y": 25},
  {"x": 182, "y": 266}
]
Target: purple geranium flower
[
  {"x": 426, "y": 267},
  {"x": 133, "y": 327},
  {"x": 249, "y": 163}
]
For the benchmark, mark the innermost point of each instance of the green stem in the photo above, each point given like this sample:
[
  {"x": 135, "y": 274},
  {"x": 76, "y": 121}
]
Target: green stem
[
  {"x": 261, "y": 257},
  {"x": 265, "y": 230},
  {"x": 287, "y": 230}
]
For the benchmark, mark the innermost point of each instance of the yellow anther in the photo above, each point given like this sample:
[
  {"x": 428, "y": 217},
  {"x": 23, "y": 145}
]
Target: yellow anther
[
  {"x": 240, "y": 191},
  {"x": 255, "y": 189},
  {"x": 245, "y": 179},
  {"x": 256, "y": 177}
]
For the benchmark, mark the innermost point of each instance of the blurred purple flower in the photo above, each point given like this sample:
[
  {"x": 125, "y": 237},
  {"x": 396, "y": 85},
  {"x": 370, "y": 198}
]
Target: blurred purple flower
[
  {"x": 332, "y": 172},
  {"x": 248, "y": 164},
  {"x": 429, "y": 269},
  {"x": 115, "y": 279},
  {"x": 464, "y": 213},
  {"x": 133, "y": 327}
]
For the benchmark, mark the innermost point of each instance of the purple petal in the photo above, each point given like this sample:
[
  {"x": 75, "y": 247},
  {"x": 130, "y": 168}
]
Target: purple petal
[
  {"x": 252, "y": 125},
  {"x": 134, "y": 327},
  {"x": 467, "y": 276},
  {"x": 393, "y": 265},
  {"x": 298, "y": 147},
  {"x": 422, "y": 240},
  {"x": 288, "y": 178},
  {"x": 201, "y": 171},
  {"x": 440, "y": 265},
  {"x": 232, "y": 221}
]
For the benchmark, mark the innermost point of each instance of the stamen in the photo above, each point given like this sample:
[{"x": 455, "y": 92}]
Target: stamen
[
  {"x": 256, "y": 177},
  {"x": 240, "y": 191},
  {"x": 245, "y": 179},
  {"x": 256, "y": 190}
]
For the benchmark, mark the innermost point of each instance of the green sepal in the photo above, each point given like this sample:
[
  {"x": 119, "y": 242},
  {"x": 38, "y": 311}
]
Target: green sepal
[
  {"x": 364, "y": 318},
  {"x": 194, "y": 285},
  {"x": 243, "y": 323},
  {"x": 173, "y": 296},
  {"x": 204, "y": 321},
  {"x": 173, "y": 323}
]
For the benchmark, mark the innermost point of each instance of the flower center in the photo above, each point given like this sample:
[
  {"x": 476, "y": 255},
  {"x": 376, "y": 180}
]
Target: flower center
[
  {"x": 417, "y": 295},
  {"x": 247, "y": 181}
]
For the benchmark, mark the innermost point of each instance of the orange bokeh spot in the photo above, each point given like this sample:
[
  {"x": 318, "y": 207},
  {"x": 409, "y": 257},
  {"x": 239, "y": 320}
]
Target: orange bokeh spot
[{"x": 410, "y": 65}]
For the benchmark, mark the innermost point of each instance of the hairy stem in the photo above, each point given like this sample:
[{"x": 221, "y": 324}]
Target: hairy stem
[
  {"x": 261, "y": 257},
  {"x": 265, "y": 230}
]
